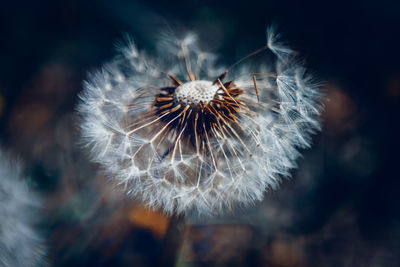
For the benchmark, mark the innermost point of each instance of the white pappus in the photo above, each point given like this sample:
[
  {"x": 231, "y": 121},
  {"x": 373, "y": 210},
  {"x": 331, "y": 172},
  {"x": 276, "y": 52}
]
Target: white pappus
[
  {"x": 20, "y": 243},
  {"x": 187, "y": 136}
]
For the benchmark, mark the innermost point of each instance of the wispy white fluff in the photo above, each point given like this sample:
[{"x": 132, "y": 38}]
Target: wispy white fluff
[
  {"x": 20, "y": 244},
  {"x": 276, "y": 44},
  {"x": 229, "y": 171}
]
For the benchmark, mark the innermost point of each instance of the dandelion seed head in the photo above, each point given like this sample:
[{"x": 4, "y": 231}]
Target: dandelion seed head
[
  {"x": 20, "y": 244},
  {"x": 189, "y": 136}
]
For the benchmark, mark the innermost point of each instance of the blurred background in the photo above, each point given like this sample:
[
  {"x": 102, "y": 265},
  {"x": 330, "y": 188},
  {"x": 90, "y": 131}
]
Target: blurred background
[{"x": 341, "y": 208}]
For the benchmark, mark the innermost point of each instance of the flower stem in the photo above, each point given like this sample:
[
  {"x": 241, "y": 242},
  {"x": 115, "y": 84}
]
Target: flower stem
[{"x": 172, "y": 240}]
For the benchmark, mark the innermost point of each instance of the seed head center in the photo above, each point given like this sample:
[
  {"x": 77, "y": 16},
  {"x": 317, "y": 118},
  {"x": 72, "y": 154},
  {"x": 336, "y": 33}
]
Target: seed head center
[{"x": 195, "y": 91}]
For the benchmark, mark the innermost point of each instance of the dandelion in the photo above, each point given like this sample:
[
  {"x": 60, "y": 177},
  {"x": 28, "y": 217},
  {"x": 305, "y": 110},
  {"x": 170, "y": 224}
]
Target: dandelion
[
  {"x": 185, "y": 135},
  {"x": 20, "y": 244}
]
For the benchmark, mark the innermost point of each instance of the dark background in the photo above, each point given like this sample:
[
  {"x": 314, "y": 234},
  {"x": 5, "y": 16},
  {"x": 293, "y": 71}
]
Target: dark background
[{"x": 340, "y": 209}]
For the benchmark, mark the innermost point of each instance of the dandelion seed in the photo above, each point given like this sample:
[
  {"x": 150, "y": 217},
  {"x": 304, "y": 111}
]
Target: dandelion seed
[
  {"x": 20, "y": 244},
  {"x": 187, "y": 136}
]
